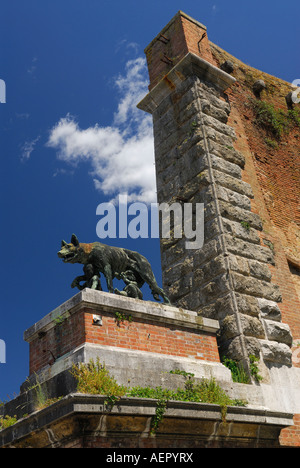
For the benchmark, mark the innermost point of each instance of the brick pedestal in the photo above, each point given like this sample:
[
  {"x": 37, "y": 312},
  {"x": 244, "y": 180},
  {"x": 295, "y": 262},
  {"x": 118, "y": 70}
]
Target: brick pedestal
[{"x": 124, "y": 333}]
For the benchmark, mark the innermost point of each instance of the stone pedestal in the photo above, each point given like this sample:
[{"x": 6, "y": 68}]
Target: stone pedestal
[{"x": 137, "y": 340}]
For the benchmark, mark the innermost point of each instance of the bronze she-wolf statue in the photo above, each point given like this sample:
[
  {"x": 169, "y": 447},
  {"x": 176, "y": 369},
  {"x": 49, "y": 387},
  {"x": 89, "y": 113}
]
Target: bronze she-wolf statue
[{"x": 112, "y": 262}]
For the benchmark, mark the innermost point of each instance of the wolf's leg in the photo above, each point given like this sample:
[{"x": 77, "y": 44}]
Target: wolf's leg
[
  {"x": 108, "y": 277},
  {"x": 156, "y": 292},
  {"x": 148, "y": 277}
]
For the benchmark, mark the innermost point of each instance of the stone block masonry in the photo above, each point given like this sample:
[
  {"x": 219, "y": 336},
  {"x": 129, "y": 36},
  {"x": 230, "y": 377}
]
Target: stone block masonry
[{"x": 196, "y": 162}]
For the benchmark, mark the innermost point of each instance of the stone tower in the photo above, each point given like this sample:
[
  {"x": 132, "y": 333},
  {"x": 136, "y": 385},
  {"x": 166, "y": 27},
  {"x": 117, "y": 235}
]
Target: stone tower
[{"x": 197, "y": 161}]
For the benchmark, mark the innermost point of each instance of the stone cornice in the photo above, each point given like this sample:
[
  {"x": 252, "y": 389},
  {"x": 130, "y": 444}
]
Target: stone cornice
[
  {"x": 50, "y": 427},
  {"x": 191, "y": 64},
  {"x": 107, "y": 302}
]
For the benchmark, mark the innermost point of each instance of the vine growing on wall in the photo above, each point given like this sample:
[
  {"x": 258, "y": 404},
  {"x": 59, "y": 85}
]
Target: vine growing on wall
[{"x": 276, "y": 122}]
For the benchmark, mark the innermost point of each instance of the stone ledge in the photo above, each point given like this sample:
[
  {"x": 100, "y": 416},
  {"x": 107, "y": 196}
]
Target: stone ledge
[
  {"x": 60, "y": 421},
  {"x": 140, "y": 368},
  {"x": 191, "y": 64},
  {"x": 151, "y": 311}
]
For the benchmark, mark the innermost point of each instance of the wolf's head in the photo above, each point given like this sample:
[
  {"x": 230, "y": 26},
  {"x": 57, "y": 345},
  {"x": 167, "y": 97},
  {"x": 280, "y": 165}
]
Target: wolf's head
[{"x": 71, "y": 253}]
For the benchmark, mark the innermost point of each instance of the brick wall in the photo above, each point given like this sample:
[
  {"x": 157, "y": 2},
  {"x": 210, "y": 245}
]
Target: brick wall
[
  {"x": 181, "y": 35},
  {"x": 134, "y": 334},
  {"x": 64, "y": 336},
  {"x": 290, "y": 436}
]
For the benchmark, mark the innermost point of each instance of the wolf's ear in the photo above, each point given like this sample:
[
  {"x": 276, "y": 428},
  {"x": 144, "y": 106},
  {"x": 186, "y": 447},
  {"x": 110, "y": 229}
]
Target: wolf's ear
[
  {"x": 74, "y": 240},
  {"x": 63, "y": 243}
]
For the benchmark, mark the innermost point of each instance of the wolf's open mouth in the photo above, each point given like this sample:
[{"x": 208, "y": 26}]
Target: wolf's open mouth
[{"x": 68, "y": 257}]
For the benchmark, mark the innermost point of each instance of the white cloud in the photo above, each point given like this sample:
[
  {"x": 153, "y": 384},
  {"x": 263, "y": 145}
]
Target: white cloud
[
  {"x": 121, "y": 155},
  {"x": 28, "y": 147}
]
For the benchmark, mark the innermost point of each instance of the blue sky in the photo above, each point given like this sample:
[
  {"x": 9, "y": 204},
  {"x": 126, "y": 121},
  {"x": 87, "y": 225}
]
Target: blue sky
[{"x": 71, "y": 137}]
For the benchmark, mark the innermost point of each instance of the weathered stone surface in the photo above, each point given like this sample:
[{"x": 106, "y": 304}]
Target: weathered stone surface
[
  {"x": 233, "y": 347},
  {"x": 213, "y": 111},
  {"x": 190, "y": 301},
  {"x": 250, "y": 326},
  {"x": 182, "y": 268},
  {"x": 215, "y": 124},
  {"x": 249, "y": 267},
  {"x": 247, "y": 304},
  {"x": 236, "y": 229},
  {"x": 232, "y": 197},
  {"x": 226, "y": 152},
  {"x": 168, "y": 161},
  {"x": 209, "y": 92},
  {"x": 249, "y": 250},
  {"x": 226, "y": 167},
  {"x": 210, "y": 249},
  {"x": 259, "y": 270},
  {"x": 274, "y": 352},
  {"x": 238, "y": 264},
  {"x": 209, "y": 270},
  {"x": 229, "y": 327},
  {"x": 172, "y": 254},
  {"x": 167, "y": 189},
  {"x": 220, "y": 308},
  {"x": 230, "y": 204},
  {"x": 236, "y": 213},
  {"x": 232, "y": 183},
  {"x": 231, "y": 212},
  {"x": 180, "y": 287},
  {"x": 217, "y": 287},
  {"x": 278, "y": 332},
  {"x": 255, "y": 287},
  {"x": 192, "y": 165},
  {"x": 212, "y": 228},
  {"x": 269, "y": 309}
]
